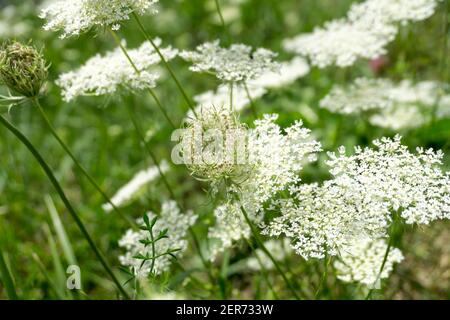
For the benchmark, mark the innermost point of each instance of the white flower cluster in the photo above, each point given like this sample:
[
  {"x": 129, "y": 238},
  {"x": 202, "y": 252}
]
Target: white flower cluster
[
  {"x": 389, "y": 105},
  {"x": 132, "y": 188},
  {"x": 368, "y": 187},
  {"x": 279, "y": 249},
  {"x": 362, "y": 262},
  {"x": 364, "y": 33},
  {"x": 177, "y": 225},
  {"x": 106, "y": 74},
  {"x": 73, "y": 17},
  {"x": 275, "y": 158},
  {"x": 238, "y": 63}
]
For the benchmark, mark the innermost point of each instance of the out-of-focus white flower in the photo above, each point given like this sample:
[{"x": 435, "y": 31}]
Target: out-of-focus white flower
[
  {"x": 364, "y": 33},
  {"x": 288, "y": 73},
  {"x": 361, "y": 262},
  {"x": 11, "y": 21},
  {"x": 275, "y": 158},
  {"x": 177, "y": 225},
  {"x": 238, "y": 63},
  {"x": 106, "y": 74},
  {"x": 132, "y": 188},
  {"x": 368, "y": 187},
  {"x": 279, "y": 249},
  {"x": 396, "y": 106},
  {"x": 73, "y": 17},
  {"x": 341, "y": 43}
]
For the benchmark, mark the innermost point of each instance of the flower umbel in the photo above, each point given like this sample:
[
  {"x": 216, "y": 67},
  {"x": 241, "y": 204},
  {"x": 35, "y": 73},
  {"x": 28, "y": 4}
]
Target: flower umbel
[
  {"x": 234, "y": 64},
  {"x": 23, "y": 69},
  {"x": 76, "y": 16}
]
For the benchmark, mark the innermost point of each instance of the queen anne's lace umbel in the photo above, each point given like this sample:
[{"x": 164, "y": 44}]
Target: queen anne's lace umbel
[
  {"x": 106, "y": 74},
  {"x": 368, "y": 187},
  {"x": 364, "y": 33},
  {"x": 177, "y": 225},
  {"x": 388, "y": 104},
  {"x": 238, "y": 63},
  {"x": 73, "y": 17},
  {"x": 362, "y": 261}
]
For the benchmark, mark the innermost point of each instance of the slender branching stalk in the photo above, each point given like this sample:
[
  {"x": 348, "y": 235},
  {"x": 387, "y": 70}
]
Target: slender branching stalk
[
  {"x": 267, "y": 252},
  {"x": 138, "y": 72},
  {"x": 79, "y": 165},
  {"x": 166, "y": 64},
  {"x": 48, "y": 171},
  {"x": 252, "y": 102}
]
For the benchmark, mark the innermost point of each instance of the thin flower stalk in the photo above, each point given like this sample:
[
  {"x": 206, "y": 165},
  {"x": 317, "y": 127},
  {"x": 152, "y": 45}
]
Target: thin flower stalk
[{"x": 48, "y": 171}]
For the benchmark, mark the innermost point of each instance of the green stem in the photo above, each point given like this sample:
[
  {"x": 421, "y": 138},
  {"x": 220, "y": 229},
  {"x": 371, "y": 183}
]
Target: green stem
[
  {"x": 263, "y": 270},
  {"x": 386, "y": 254},
  {"x": 252, "y": 103},
  {"x": 138, "y": 72},
  {"x": 79, "y": 165},
  {"x": 7, "y": 279},
  {"x": 323, "y": 280},
  {"x": 166, "y": 64},
  {"x": 64, "y": 199},
  {"x": 222, "y": 20},
  {"x": 167, "y": 185},
  {"x": 264, "y": 249}
]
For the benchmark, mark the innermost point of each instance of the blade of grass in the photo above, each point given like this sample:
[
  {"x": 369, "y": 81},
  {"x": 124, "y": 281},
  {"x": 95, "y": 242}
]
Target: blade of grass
[
  {"x": 7, "y": 278},
  {"x": 60, "y": 231}
]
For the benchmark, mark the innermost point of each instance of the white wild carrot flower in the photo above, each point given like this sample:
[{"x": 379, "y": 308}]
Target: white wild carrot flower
[
  {"x": 367, "y": 189},
  {"x": 74, "y": 17},
  {"x": 387, "y": 104},
  {"x": 361, "y": 262},
  {"x": 106, "y": 74},
  {"x": 238, "y": 63},
  {"x": 177, "y": 225},
  {"x": 364, "y": 33}
]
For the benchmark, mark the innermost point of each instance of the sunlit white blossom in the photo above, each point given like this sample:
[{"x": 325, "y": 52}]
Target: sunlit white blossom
[
  {"x": 366, "y": 31},
  {"x": 390, "y": 105},
  {"x": 134, "y": 186},
  {"x": 73, "y": 17},
  {"x": 289, "y": 72},
  {"x": 106, "y": 74},
  {"x": 177, "y": 225},
  {"x": 367, "y": 189},
  {"x": 238, "y": 63},
  {"x": 361, "y": 262}
]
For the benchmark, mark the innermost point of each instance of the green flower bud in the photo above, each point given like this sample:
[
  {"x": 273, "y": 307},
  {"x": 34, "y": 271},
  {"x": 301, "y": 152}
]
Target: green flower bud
[{"x": 22, "y": 69}]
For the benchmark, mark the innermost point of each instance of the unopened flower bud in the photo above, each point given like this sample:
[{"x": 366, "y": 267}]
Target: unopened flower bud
[{"x": 23, "y": 69}]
